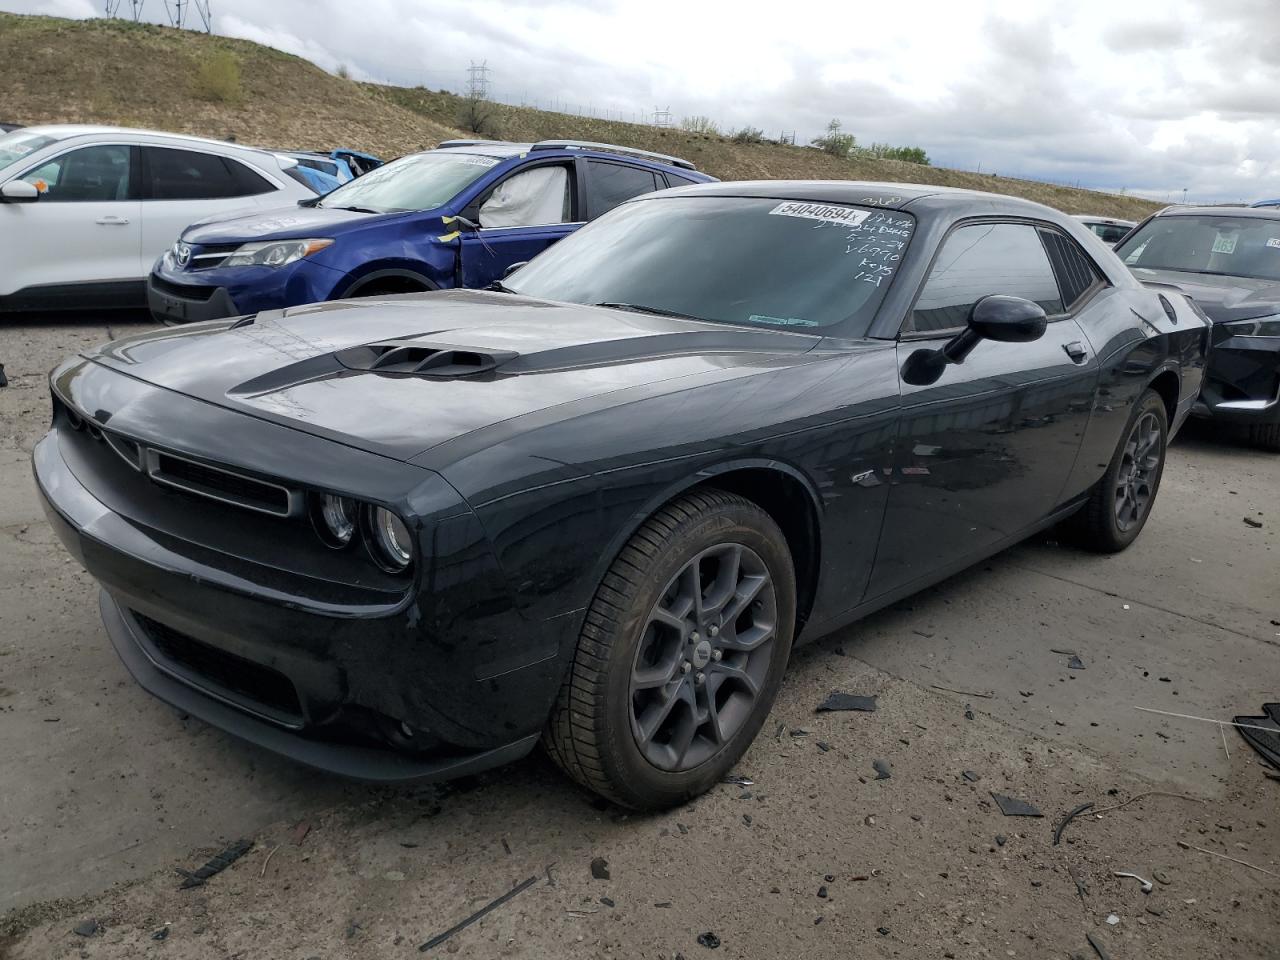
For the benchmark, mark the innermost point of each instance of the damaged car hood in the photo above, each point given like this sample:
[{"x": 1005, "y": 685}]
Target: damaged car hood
[
  {"x": 1223, "y": 298},
  {"x": 402, "y": 374}
]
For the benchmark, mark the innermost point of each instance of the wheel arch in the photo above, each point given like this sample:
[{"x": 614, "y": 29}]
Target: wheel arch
[
  {"x": 353, "y": 286},
  {"x": 780, "y": 490},
  {"x": 1167, "y": 382}
]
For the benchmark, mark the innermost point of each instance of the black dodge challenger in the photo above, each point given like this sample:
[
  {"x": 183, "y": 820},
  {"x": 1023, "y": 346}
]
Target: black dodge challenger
[{"x": 407, "y": 538}]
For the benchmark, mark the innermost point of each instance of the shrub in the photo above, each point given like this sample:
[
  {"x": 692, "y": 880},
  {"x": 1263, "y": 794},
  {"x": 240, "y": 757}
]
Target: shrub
[
  {"x": 218, "y": 78},
  {"x": 748, "y": 134},
  {"x": 700, "y": 124},
  {"x": 835, "y": 142},
  {"x": 342, "y": 72},
  {"x": 477, "y": 115}
]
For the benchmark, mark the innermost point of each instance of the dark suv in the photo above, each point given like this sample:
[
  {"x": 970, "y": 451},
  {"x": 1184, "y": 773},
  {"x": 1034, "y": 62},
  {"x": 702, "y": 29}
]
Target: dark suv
[
  {"x": 1227, "y": 259},
  {"x": 456, "y": 216}
]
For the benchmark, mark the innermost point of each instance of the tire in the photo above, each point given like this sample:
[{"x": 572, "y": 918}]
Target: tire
[
  {"x": 608, "y": 729},
  {"x": 1116, "y": 510},
  {"x": 1265, "y": 435}
]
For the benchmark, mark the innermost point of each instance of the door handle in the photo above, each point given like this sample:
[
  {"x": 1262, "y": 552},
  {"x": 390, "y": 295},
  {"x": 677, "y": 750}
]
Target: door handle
[
  {"x": 1076, "y": 351},
  {"x": 113, "y": 221}
]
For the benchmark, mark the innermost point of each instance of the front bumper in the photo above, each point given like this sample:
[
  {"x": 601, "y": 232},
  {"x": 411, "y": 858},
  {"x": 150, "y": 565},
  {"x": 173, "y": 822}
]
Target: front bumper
[
  {"x": 1242, "y": 379},
  {"x": 187, "y": 303},
  {"x": 329, "y": 677}
]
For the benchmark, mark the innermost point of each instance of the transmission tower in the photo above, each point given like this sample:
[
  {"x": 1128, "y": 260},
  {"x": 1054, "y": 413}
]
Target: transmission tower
[
  {"x": 206, "y": 14},
  {"x": 662, "y": 117},
  {"x": 135, "y": 8},
  {"x": 177, "y": 11},
  {"x": 478, "y": 80}
]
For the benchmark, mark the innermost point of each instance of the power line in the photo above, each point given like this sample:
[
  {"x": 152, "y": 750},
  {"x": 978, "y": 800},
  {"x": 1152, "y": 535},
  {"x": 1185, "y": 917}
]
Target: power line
[
  {"x": 662, "y": 116},
  {"x": 135, "y": 8},
  {"x": 206, "y": 14},
  {"x": 177, "y": 11}
]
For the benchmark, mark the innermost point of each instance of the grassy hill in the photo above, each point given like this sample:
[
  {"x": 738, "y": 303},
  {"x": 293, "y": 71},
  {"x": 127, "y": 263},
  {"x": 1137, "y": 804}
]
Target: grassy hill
[{"x": 114, "y": 71}]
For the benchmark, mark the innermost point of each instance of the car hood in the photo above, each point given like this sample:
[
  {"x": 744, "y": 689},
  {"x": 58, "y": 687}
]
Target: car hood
[
  {"x": 283, "y": 223},
  {"x": 400, "y": 375},
  {"x": 1222, "y": 298}
]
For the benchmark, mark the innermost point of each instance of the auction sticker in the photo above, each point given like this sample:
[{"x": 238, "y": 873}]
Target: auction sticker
[
  {"x": 820, "y": 211},
  {"x": 1274, "y": 242},
  {"x": 1224, "y": 243}
]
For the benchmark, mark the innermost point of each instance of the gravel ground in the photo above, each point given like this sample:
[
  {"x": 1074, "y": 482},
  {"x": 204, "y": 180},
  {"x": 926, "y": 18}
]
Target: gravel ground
[{"x": 104, "y": 791}]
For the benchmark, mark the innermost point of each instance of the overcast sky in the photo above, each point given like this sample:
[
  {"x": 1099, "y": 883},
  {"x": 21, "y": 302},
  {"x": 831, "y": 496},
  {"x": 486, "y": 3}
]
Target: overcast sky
[{"x": 1150, "y": 96}]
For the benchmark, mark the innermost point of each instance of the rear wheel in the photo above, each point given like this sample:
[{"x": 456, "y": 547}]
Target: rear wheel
[
  {"x": 1265, "y": 435},
  {"x": 1120, "y": 504},
  {"x": 681, "y": 654}
]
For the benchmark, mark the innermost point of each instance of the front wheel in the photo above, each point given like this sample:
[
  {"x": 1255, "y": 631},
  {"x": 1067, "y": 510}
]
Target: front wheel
[
  {"x": 1265, "y": 435},
  {"x": 1121, "y": 502},
  {"x": 681, "y": 654}
]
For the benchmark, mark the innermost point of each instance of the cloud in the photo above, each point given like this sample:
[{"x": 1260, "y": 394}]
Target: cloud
[{"x": 1148, "y": 95}]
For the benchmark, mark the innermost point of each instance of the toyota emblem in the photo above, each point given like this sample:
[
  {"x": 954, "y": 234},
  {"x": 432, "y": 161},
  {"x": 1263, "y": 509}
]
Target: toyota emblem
[{"x": 181, "y": 253}]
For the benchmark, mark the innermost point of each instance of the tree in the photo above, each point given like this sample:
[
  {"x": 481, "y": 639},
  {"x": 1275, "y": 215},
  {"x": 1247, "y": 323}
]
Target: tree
[{"x": 835, "y": 141}]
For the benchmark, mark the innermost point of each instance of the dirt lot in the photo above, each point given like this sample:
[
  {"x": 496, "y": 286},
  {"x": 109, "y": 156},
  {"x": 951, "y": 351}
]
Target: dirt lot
[{"x": 104, "y": 791}]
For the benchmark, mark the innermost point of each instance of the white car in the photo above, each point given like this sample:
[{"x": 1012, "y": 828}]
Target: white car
[
  {"x": 1111, "y": 231},
  {"x": 85, "y": 211}
]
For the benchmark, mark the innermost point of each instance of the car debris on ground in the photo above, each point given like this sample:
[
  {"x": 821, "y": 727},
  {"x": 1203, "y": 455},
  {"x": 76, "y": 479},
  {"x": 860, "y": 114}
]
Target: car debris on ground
[{"x": 215, "y": 865}]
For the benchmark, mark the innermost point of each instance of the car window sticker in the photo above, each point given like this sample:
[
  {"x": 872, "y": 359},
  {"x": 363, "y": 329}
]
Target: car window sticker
[
  {"x": 1225, "y": 243},
  {"x": 1274, "y": 242},
  {"x": 826, "y": 213},
  {"x": 477, "y": 161}
]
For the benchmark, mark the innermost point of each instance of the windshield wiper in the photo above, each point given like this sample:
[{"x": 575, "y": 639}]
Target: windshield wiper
[
  {"x": 642, "y": 308},
  {"x": 355, "y": 209},
  {"x": 499, "y": 287}
]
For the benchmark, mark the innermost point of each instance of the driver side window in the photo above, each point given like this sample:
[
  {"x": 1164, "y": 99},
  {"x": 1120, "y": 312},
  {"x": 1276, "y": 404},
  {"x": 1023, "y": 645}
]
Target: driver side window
[
  {"x": 976, "y": 261},
  {"x": 90, "y": 174},
  {"x": 531, "y": 198}
]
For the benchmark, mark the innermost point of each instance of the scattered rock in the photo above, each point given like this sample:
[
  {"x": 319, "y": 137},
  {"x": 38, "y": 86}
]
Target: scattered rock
[
  {"x": 1001, "y": 839},
  {"x": 883, "y": 931},
  {"x": 607, "y": 901},
  {"x": 600, "y": 868},
  {"x": 968, "y": 714},
  {"x": 1075, "y": 663},
  {"x": 682, "y": 828},
  {"x": 746, "y": 818},
  {"x": 916, "y": 817},
  {"x": 86, "y": 928},
  {"x": 1159, "y": 876},
  {"x": 970, "y": 776},
  {"x": 1252, "y": 522},
  {"x": 883, "y": 769},
  {"x": 822, "y": 892},
  {"x": 1155, "y": 911},
  {"x": 161, "y": 934},
  {"x": 709, "y": 940}
]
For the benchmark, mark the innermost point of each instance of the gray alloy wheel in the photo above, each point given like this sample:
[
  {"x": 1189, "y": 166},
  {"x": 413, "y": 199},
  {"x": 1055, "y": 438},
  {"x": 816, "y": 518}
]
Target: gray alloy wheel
[
  {"x": 703, "y": 657},
  {"x": 681, "y": 653},
  {"x": 1141, "y": 459},
  {"x": 1120, "y": 503}
]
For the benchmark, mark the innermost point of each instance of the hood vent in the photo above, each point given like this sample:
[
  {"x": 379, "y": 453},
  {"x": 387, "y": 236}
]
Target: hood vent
[{"x": 422, "y": 359}]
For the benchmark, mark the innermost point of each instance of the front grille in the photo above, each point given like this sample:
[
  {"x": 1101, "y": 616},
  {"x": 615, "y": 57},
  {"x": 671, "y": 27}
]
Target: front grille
[
  {"x": 183, "y": 290},
  {"x": 242, "y": 679},
  {"x": 212, "y": 255},
  {"x": 206, "y": 481}
]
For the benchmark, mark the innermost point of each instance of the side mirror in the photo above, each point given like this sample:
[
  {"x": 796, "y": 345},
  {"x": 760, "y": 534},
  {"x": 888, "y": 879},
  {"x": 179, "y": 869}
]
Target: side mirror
[
  {"x": 999, "y": 318},
  {"x": 19, "y": 191},
  {"x": 513, "y": 268}
]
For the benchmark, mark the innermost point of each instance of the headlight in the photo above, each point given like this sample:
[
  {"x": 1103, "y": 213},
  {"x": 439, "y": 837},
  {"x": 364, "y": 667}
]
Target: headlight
[
  {"x": 274, "y": 253},
  {"x": 335, "y": 519},
  {"x": 392, "y": 542}
]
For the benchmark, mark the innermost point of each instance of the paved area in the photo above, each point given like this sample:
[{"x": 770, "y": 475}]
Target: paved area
[{"x": 103, "y": 791}]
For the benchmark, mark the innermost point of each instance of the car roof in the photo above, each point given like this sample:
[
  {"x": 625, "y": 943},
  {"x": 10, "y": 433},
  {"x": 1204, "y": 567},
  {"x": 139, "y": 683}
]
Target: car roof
[
  {"x": 1259, "y": 213},
  {"x": 1112, "y": 221},
  {"x": 894, "y": 196},
  {"x": 504, "y": 149},
  {"x": 65, "y": 131}
]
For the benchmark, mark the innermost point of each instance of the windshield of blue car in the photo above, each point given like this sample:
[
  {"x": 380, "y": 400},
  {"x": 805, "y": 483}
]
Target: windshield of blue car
[
  {"x": 1219, "y": 245},
  {"x": 419, "y": 182},
  {"x": 16, "y": 145},
  {"x": 756, "y": 262}
]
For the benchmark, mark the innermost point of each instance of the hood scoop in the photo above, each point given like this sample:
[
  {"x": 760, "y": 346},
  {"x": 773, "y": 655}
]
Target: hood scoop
[{"x": 420, "y": 359}]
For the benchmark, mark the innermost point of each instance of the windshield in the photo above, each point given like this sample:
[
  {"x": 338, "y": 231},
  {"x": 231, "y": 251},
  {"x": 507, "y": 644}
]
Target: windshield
[
  {"x": 1231, "y": 246},
  {"x": 419, "y": 182},
  {"x": 756, "y": 262},
  {"x": 14, "y": 146}
]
